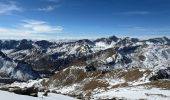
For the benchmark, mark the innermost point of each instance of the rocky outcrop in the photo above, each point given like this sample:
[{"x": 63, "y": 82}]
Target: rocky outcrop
[
  {"x": 30, "y": 91},
  {"x": 161, "y": 74}
]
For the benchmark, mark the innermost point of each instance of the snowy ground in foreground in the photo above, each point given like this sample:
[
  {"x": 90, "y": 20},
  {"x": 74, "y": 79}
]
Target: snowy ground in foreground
[
  {"x": 133, "y": 93},
  {"x": 11, "y": 96}
]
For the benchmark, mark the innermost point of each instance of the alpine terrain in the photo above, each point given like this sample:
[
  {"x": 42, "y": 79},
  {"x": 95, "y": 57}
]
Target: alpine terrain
[{"x": 104, "y": 68}]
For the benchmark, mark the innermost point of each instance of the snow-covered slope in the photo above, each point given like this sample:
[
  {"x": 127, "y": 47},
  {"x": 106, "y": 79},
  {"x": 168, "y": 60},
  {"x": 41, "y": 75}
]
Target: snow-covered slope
[
  {"x": 134, "y": 93},
  {"x": 16, "y": 70}
]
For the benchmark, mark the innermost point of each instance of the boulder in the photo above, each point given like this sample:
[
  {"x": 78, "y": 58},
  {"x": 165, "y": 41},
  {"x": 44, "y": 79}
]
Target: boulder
[
  {"x": 46, "y": 92},
  {"x": 161, "y": 74},
  {"x": 90, "y": 68},
  {"x": 31, "y": 91}
]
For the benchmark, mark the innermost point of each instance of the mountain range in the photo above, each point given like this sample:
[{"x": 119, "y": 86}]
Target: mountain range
[
  {"x": 35, "y": 59},
  {"x": 70, "y": 62}
]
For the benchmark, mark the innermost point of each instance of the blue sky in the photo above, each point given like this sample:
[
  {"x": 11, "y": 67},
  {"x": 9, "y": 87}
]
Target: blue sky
[{"x": 74, "y": 19}]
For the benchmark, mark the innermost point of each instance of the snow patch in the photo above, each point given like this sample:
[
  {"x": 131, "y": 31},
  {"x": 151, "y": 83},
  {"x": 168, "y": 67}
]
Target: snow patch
[{"x": 133, "y": 93}]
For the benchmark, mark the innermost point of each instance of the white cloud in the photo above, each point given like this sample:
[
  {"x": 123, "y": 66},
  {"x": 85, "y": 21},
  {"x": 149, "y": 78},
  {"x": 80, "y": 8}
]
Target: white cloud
[
  {"x": 48, "y": 8},
  {"x": 29, "y": 29},
  {"x": 40, "y": 26},
  {"x": 6, "y": 8}
]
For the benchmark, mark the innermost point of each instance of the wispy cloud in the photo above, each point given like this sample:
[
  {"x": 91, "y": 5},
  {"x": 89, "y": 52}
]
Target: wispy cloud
[
  {"x": 9, "y": 7},
  {"x": 143, "y": 32},
  {"x": 53, "y": 5},
  {"x": 30, "y": 28},
  {"x": 48, "y": 8},
  {"x": 54, "y": 1},
  {"x": 138, "y": 28},
  {"x": 136, "y": 13}
]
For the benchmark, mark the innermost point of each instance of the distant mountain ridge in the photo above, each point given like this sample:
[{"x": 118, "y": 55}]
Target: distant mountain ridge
[{"x": 28, "y": 59}]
